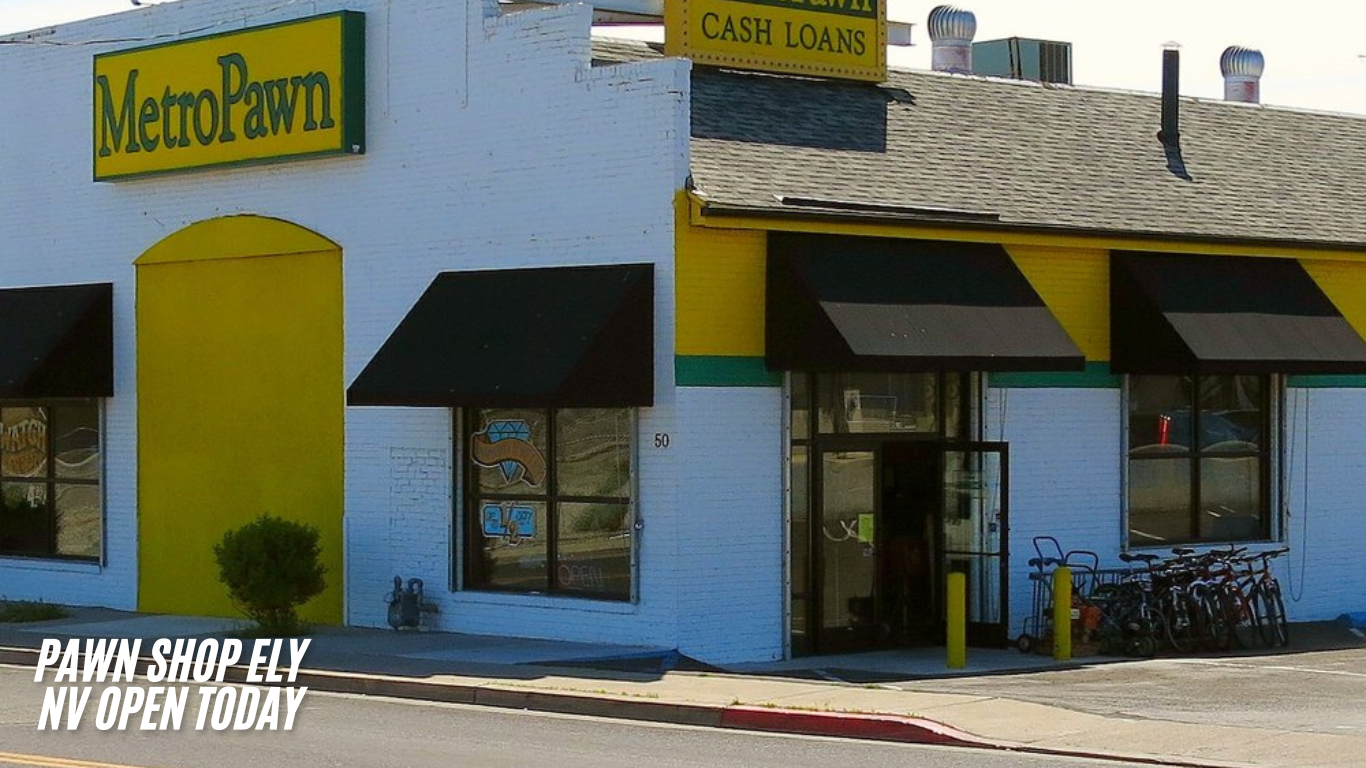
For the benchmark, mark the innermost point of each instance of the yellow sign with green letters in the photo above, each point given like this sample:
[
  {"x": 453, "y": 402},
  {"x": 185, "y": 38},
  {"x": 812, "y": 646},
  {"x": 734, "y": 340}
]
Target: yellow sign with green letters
[
  {"x": 823, "y": 38},
  {"x": 278, "y": 92}
]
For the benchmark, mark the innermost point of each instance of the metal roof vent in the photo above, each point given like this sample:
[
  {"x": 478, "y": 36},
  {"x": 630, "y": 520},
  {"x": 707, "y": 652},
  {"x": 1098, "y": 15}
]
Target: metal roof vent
[
  {"x": 1242, "y": 68},
  {"x": 951, "y": 31}
]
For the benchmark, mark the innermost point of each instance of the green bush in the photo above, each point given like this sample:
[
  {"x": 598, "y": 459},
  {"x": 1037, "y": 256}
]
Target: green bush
[{"x": 270, "y": 567}]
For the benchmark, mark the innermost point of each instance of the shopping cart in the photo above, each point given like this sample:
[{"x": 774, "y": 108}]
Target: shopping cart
[{"x": 1085, "y": 568}]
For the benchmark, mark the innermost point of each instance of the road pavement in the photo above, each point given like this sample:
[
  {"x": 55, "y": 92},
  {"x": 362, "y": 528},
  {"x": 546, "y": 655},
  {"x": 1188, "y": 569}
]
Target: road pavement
[
  {"x": 1284, "y": 710},
  {"x": 1315, "y": 692},
  {"x": 347, "y": 730}
]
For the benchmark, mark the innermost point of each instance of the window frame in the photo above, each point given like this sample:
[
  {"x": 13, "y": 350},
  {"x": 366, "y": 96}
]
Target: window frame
[
  {"x": 50, "y": 479},
  {"x": 468, "y": 496},
  {"x": 1270, "y": 481}
]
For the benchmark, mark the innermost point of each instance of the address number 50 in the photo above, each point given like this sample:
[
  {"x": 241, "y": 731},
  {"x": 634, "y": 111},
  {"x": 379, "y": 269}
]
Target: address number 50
[{"x": 661, "y": 439}]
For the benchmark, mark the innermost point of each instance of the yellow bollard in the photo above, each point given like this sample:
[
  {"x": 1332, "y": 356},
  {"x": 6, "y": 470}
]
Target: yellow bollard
[
  {"x": 1062, "y": 614},
  {"x": 957, "y": 629}
]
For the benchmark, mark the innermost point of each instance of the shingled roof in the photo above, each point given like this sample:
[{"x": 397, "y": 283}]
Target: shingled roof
[{"x": 988, "y": 152}]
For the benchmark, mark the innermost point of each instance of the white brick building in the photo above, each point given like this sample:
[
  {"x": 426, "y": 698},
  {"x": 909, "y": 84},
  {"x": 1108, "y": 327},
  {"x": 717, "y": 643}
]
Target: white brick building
[{"x": 693, "y": 510}]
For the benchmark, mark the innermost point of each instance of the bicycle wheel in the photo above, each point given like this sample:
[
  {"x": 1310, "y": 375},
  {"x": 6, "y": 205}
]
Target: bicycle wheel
[
  {"x": 1215, "y": 632},
  {"x": 1178, "y": 615},
  {"x": 1277, "y": 626},
  {"x": 1149, "y": 625},
  {"x": 1143, "y": 646},
  {"x": 1244, "y": 619}
]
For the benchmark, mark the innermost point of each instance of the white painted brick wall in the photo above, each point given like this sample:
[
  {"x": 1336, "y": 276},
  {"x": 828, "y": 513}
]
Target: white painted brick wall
[
  {"x": 731, "y": 594},
  {"x": 1325, "y": 574},
  {"x": 492, "y": 143},
  {"x": 1065, "y": 475}
]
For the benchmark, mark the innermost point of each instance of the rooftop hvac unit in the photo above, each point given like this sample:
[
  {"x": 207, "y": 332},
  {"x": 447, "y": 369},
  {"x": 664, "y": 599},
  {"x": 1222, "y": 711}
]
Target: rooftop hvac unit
[{"x": 1023, "y": 59}]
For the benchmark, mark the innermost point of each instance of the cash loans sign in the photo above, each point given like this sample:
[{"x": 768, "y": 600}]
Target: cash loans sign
[
  {"x": 824, "y": 38},
  {"x": 277, "y": 92}
]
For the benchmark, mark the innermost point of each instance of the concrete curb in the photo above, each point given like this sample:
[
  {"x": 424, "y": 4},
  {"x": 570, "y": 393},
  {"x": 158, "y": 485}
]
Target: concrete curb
[
  {"x": 874, "y": 727},
  {"x": 910, "y": 730}
]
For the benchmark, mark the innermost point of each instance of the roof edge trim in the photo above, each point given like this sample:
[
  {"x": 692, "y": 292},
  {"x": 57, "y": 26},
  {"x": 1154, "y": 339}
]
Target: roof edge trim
[{"x": 706, "y": 213}]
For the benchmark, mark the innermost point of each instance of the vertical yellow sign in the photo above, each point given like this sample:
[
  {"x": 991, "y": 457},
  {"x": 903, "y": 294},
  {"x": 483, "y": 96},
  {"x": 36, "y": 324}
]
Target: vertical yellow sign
[
  {"x": 823, "y": 38},
  {"x": 276, "y": 92}
]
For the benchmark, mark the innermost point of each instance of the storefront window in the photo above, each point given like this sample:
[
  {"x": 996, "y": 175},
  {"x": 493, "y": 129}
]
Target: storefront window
[
  {"x": 1199, "y": 460},
  {"x": 549, "y": 505},
  {"x": 878, "y": 402},
  {"x": 50, "y": 503}
]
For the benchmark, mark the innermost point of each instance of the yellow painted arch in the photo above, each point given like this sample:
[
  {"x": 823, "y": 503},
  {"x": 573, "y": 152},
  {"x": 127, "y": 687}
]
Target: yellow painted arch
[
  {"x": 236, "y": 237},
  {"x": 241, "y": 402}
]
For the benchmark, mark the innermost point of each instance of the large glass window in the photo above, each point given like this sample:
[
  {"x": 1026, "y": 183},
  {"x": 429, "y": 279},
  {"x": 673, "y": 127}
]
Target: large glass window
[
  {"x": 548, "y": 501},
  {"x": 50, "y": 480},
  {"x": 1199, "y": 459}
]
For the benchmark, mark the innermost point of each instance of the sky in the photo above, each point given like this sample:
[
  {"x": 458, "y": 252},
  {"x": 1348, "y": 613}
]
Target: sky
[{"x": 1315, "y": 49}]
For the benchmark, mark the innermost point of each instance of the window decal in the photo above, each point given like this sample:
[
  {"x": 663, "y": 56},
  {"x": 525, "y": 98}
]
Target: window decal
[
  {"x": 23, "y": 443},
  {"x": 506, "y": 445},
  {"x": 509, "y": 522}
]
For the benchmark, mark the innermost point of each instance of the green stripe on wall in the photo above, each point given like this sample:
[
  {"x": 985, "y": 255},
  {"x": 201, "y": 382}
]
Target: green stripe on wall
[
  {"x": 1327, "y": 382},
  {"x": 724, "y": 371},
  {"x": 739, "y": 371},
  {"x": 1096, "y": 376}
]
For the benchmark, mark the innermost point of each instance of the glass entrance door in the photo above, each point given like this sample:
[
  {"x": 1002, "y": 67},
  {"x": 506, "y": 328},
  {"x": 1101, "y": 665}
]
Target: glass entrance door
[
  {"x": 976, "y": 526},
  {"x": 867, "y": 539},
  {"x": 847, "y": 538}
]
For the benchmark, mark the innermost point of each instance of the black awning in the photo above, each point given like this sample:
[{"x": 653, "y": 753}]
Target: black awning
[
  {"x": 557, "y": 337},
  {"x": 57, "y": 341},
  {"x": 1175, "y": 313},
  {"x": 838, "y": 303}
]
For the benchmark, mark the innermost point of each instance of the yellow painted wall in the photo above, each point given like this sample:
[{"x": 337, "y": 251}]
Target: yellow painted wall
[
  {"x": 240, "y": 402},
  {"x": 1075, "y": 284},
  {"x": 720, "y": 289},
  {"x": 1345, "y": 284}
]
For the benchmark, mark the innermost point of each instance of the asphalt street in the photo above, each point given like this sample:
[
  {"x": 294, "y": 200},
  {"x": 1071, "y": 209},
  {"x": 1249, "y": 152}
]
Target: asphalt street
[
  {"x": 343, "y": 730},
  {"x": 1312, "y": 692}
]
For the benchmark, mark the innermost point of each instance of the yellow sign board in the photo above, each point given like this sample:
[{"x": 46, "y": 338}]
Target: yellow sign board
[
  {"x": 277, "y": 92},
  {"x": 821, "y": 38}
]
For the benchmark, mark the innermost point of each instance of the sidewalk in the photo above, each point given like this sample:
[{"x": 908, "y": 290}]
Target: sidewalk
[{"x": 894, "y": 696}]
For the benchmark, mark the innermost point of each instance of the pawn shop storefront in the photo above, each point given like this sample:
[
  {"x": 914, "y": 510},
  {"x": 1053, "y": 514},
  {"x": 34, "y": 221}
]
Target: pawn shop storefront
[{"x": 885, "y": 343}]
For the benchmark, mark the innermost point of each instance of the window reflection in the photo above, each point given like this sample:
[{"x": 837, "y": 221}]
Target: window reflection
[
  {"x": 593, "y": 452},
  {"x": 1199, "y": 469},
  {"x": 1160, "y": 414},
  {"x": 1231, "y": 415},
  {"x": 594, "y": 550},
  {"x": 879, "y": 402},
  {"x": 1230, "y": 498},
  {"x": 50, "y": 501}
]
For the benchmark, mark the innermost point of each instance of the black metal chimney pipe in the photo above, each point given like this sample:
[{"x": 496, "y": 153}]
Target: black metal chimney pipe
[{"x": 1170, "y": 134}]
